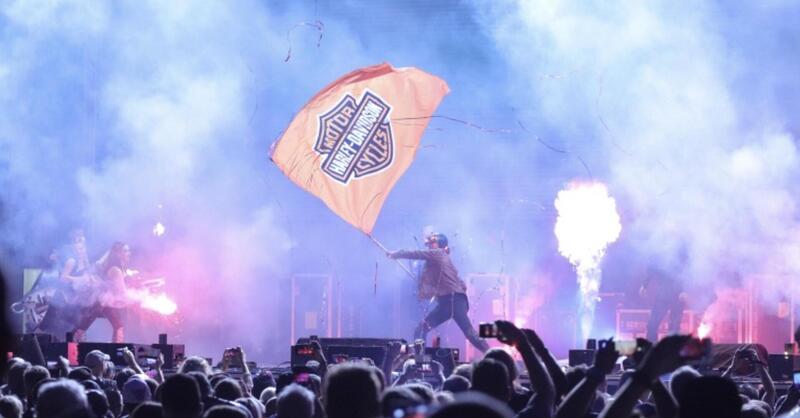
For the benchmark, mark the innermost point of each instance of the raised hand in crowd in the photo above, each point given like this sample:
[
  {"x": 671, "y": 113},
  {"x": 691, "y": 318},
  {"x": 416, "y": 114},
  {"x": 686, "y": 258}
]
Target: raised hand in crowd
[
  {"x": 663, "y": 358},
  {"x": 580, "y": 399},
  {"x": 130, "y": 360},
  {"x": 542, "y": 402},
  {"x": 555, "y": 371}
]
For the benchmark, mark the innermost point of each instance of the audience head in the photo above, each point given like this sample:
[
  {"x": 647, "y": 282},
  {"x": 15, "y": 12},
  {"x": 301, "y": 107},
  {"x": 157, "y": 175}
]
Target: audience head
[
  {"x": 195, "y": 364},
  {"x": 295, "y": 401},
  {"x": 262, "y": 381},
  {"x": 134, "y": 392},
  {"x": 503, "y": 357},
  {"x": 96, "y": 360},
  {"x": 59, "y": 398},
  {"x": 491, "y": 377},
  {"x": 98, "y": 402},
  {"x": 680, "y": 378},
  {"x": 226, "y": 411},
  {"x": 709, "y": 396},
  {"x": 228, "y": 389},
  {"x": 81, "y": 373},
  {"x": 752, "y": 410},
  {"x": 351, "y": 391},
  {"x": 456, "y": 384},
  {"x": 114, "y": 397},
  {"x": 147, "y": 410},
  {"x": 203, "y": 385},
  {"x": 266, "y": 395},
  {"x": 464, "y": 370},
  {"x": 473, "y": 405},
  {"x": 180, "y": 397},
  {"x": 33, "y": 376},
  {"x": 122, "y": 376},
  {"x": 400, "y": 397},
  {"x": 16, "y": 378},
  {"x": 10, "y": 407},
  {"x": 424, "y": 391},
  {"x": 255, "y": 407}
]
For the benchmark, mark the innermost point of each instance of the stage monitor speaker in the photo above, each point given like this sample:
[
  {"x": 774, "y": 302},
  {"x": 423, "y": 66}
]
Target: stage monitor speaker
[
  {"x": 577, "y": 357},
  {"x": 69, "y": 351},
  {"x": 374, "y": 348}
]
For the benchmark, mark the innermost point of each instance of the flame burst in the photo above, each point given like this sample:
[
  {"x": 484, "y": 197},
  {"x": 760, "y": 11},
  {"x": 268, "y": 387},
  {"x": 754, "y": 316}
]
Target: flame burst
[
  {"x": 160, "y": 303},
  {"x": 704, "y": 329},
  {"x": 587, "y": 223}
]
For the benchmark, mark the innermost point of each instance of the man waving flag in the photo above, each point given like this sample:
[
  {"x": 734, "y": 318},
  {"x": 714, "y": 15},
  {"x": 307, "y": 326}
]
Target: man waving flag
[{"x": 351, "y": 143}]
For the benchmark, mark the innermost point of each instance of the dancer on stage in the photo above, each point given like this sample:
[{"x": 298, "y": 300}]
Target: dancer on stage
[
  {"x": 111, "y": 293},
  {"x": 71, "y": 289},
  {"x": 440, "y": 280}
]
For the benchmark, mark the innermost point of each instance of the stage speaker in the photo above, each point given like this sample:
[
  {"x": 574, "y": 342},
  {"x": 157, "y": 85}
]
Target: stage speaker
[
  {"x": 31, "y": 347},
  {"x": 448, "y": 357},
  {"x": 782, "y": 366},
  {"x": 577, "y": 357}
]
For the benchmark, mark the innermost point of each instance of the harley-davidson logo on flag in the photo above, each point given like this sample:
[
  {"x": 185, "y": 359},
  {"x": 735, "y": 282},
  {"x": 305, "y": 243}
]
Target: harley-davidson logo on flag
[
  {"x": 356, "y": 136},
  {"x": 351, "y": 143}
]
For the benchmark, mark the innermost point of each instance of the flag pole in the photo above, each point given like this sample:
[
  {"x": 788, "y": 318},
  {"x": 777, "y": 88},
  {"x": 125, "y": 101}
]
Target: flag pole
[{"x": 386, "y": 251}]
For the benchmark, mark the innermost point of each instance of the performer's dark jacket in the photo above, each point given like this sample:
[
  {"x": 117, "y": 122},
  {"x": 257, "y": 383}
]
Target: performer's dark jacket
[{"x": 439, "y": 276}]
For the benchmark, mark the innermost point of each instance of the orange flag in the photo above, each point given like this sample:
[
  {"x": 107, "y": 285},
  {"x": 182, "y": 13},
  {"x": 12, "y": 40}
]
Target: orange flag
[{"x": 352, "y": 142}]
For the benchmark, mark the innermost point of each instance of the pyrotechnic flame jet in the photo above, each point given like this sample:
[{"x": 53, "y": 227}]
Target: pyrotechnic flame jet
[{"x": 587, "y": 223}]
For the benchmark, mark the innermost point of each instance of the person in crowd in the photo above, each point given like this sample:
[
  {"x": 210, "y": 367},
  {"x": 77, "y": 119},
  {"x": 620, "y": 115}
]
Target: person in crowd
[
  {"x": 61, "y": 398},
  {"x": 98, "y": 403},
  {"x": 181, "y": 397},
  {"x": 351, "y": 391},
  {"x": 16, "y": 379},
  {"x": 228, "y": 389},
  {"x": 456, "y": 384},
  {"x": 31, "y": 378},
  {"x": 11, "y": 407},
  {"x": 295, "y": 401}
]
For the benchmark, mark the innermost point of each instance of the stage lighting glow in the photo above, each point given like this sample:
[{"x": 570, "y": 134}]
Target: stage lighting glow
[{"x": 587, "y": 223}]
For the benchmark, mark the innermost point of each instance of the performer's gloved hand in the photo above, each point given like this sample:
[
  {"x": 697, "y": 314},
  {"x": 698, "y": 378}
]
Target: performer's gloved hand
[{"x": 392, "y": 254}]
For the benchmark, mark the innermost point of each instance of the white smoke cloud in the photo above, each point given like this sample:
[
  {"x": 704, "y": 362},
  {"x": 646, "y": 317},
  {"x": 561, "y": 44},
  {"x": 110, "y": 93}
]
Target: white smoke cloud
[{"x": 665, "y": 92}]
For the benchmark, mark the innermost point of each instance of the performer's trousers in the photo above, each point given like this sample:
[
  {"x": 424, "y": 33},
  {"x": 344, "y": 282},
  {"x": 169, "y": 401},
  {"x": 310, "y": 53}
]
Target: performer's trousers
[
  {"x": 456, "y": 306},
  {"x": 675, "y": 308}
]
